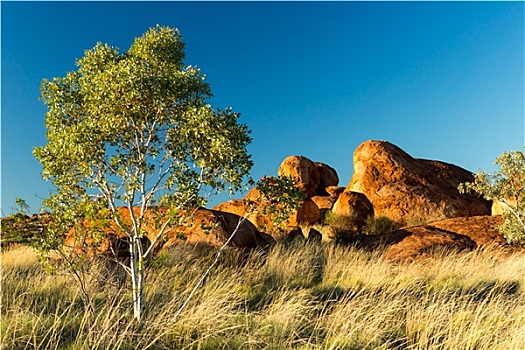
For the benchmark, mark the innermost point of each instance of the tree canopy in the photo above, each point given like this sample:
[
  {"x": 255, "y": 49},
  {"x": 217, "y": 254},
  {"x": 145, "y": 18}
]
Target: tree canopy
[
  {"x": 135, "y": 129},
  {"x": 136, "y": 126}
]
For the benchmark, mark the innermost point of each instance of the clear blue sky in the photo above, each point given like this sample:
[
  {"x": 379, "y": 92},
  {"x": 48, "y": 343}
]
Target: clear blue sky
[{"x": 442, "y": 80}]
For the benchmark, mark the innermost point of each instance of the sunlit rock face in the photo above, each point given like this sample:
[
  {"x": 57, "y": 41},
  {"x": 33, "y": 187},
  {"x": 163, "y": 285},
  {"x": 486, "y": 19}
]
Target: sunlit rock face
[
  {"x": 304, "y": 173},
  {"x": 327, "y": 178},
  {"x": 204, "y": 226},
  {"x": 354, "y": 205},
  {"x": 406, "y": 189}
]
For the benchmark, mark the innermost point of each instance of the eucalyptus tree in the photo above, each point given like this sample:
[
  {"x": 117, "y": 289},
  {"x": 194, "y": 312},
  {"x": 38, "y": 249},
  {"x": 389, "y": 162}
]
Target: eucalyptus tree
[
  {"x": 135, "y": 130},
  {"x": 507, "y": 185}
]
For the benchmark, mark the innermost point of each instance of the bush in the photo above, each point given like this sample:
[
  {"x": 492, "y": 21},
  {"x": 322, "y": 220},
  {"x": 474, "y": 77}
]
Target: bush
[
  {"x": 379, "y": 225},
  {"x": 507, "y": 186},
  {"x": 344, "y": 227},
  {"x": 339, "y": 222}
]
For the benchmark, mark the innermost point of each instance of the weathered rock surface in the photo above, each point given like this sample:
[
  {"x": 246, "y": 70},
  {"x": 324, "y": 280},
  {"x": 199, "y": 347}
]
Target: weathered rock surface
[
  {"x": 234, "y": 206},
  {"x": 355, "y": 205},
  {"x": 334, "y": 191},
  {"x": 210, "y": 227},
  {"x": 324, "y": 203},
  {"x": 328, "y": 178},
  {"x": 418, "y": 241},
  {"x": 308, "y": 213},
  {"x": 404, "y": 188},
  {"x": 481, "y": 229},
  {"x": 213, "y": 227},
  {"x": 303, "y": 171}
]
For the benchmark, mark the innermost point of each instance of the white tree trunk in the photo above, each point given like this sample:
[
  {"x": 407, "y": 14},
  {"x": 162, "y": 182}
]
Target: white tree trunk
[{"x": 137, "y": 276}]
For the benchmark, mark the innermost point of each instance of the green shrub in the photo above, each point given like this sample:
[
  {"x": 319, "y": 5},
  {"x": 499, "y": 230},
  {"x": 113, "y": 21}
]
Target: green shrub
[
  {"x": 507, "y": 185},
  {"x": 380, "y": 224}
]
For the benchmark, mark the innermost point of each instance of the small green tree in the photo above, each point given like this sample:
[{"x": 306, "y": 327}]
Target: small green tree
[
  {"x": 506, "y": 185},
  {"x": 280, "y": 198},
  {"x": 134, "y": 129}
]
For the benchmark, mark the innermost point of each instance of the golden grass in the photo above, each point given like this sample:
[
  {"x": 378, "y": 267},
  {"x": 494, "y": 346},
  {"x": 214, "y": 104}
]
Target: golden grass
[{"x": 303, "y": 297}]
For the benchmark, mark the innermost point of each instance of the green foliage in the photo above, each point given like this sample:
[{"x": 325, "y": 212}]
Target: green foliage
[
  {"x": 22, "y": 207},
  {"x": 344, "y": 227},
  {"x": 20, "y": 227},
  {"x": 135, "y": 129},
  {"x": 380, "y": 224},
  {"x": 280, "y": 198},
  {"x": 506, "y": 185}
]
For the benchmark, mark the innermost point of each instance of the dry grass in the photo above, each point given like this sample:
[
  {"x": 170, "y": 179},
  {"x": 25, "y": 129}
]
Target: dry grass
[{"x": 304, "y": 297}]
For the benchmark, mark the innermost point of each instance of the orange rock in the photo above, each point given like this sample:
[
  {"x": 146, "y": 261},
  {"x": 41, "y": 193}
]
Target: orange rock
[
  {"x": 481, "y": 229},
  {"x": 210, "y": 227},
  {"x": 328, "y": 177},
  {"x": 418, "y": 241},
  {"x": 334, "y": 191},
  {"x": 403, "y": 188},
  {"x": 303, "y": 171},
  {"x": 252, "y": 210},
  {"x": 308, "y": 213},
  {"x": 324, "y": 203},
  {"x": 355, "y": 205},
  {"x": 234, "y": 206},
  {"x": 213, "y": 227}
]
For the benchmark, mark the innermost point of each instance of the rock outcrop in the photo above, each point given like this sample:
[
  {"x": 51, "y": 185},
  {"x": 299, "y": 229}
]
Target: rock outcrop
[
  {"x": 354, "y": 205},
  {"x": 209, "y": 227},
  {"x": 328, "y": 178},
  {"x": 303, "y": 171},
  {"x": 481, "y": 229},
  {"x": 418, "y": 241},
  {"x": 213, "y": 227},
  {"x": 404, "y": 188},
  {"x": 324, "y": 203}
]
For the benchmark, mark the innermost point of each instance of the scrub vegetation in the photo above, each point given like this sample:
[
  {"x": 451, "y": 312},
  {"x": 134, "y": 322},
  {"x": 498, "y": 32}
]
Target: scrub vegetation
[{"x": 307, "y": 296}]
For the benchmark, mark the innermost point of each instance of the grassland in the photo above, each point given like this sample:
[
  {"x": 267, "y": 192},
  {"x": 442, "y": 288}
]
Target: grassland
[{"x": 303, "y": 297}]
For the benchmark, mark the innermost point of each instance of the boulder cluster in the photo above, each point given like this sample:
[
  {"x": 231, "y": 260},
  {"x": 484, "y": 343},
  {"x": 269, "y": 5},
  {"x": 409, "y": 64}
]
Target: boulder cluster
[
  {"x": 386, "y": 182},
  {"x": 316, "y": 180}
]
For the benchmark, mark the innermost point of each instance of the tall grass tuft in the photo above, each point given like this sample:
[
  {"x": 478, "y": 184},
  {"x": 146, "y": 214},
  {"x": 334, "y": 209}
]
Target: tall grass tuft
[{"x": 301, "y": 297}]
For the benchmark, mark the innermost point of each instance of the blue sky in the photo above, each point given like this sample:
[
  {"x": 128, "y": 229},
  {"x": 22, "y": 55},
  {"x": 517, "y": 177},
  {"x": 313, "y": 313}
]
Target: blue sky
[{"x": 442, "y": 80}]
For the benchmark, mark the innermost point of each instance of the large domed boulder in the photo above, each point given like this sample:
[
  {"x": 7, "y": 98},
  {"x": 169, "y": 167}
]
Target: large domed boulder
[
  {"x": 303, "y": 171},
  {"x": 328, "y": 177},
  {"x": 354, "y": 205},
  {"x": 405, "y": 189}
]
